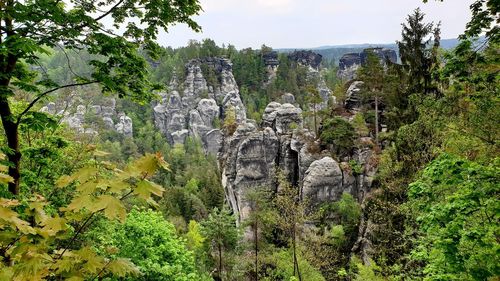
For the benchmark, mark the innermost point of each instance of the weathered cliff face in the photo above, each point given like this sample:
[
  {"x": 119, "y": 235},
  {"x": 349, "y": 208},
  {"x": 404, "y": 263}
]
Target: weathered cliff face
[
  {"x": 307, "y": 58},
  {"x": 349, "y": 63},
  {"x": 196, "y": 109},
  {"x": 272, "y": 63},
  {"x": 83, "y": 119},
  {"x": 251, "y": 156},
  {"x": 312, "y": 61}
]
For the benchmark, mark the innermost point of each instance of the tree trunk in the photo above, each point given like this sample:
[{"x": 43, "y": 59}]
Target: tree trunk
[
  {"x": 376, "y": 119},
  {"x": 220, "y": 261},
  {"x": 256, "y": 239},
  {"x": 315, "y": 122},
  {"x": 295, "y": 261},
  {"x": 12, "y": 135}
]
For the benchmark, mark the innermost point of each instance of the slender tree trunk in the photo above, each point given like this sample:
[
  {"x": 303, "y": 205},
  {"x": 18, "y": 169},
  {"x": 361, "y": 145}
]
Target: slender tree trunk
[
  {"x": 12, "y": 135},
  {"x": 315, "y": 122},
  {"x": 220, "y": 261},
  {"x": 256, "y": 245},
  {"x": 296, "y": 269},
  {"x": 295, "y": 260},
  {"x": 293, "y": 249},
  {"x": 376, "y": 119}
]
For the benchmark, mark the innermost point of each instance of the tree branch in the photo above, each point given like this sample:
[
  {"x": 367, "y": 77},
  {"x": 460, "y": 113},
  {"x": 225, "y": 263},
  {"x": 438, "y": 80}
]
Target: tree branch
[
  {"x": 109, "y": 11},
  {"x": 19, "y": 118}
]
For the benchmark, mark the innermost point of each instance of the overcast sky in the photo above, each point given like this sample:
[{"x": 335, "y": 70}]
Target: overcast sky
[{"x": 313, "y": 23}]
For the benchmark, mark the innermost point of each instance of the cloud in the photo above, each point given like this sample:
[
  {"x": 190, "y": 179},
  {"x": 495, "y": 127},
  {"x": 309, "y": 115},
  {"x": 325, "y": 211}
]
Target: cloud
[{"x": 311, "y": 23}]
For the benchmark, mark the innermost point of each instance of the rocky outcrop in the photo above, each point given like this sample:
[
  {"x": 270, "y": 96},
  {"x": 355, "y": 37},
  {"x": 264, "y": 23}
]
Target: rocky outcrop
[
  {"x": 306, "y": 58},
  {"x": 353, "y": 98},
  {"x": 124, "y": 126},
  {"x": 200, "y": 109},
  {"x": 91, "y": 119},
  {"x": 349, "y": 63},
  {"x": 253, "y": 154},
  {"x": 323, "y": 181},
  {"x": 348, "y": 66},
  {"x": 272, "y": 63}
]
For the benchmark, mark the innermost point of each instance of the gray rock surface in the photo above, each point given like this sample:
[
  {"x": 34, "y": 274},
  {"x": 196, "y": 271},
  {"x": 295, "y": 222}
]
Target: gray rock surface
[
  {"x": 288, "y": 98},
  {"x": 306, "y": 58},
  {"x": 124, "y": 126},
  {"x": 323, "y": 181},
  {"x": 353, "y": 98},
  {"x": 349, "y": 63},
  {"x": 201, "y": 107}
]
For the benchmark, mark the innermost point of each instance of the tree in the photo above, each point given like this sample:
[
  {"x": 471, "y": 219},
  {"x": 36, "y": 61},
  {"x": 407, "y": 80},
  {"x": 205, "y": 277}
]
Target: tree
[
  {"x": 455, "y": 206},
  {"x": 221, "y": 231},
  {"x": 416, "y": 56},
  {"x": 259, "y": 219},
  {"x": 339, "y": 133},
  {"x": 314, "y": 99},
  {"x": 40, "y": 242},
  {"x": 290, "y": 215},
  {"x": 373, "y": 76},
  {"x": 152, "y": 244},
  {"x": 27, "y": 28},
  {"x": 418, "y": 52}
]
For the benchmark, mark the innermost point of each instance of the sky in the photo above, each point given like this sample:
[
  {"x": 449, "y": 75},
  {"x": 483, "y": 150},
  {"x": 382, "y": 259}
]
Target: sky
[{"x": 313, "y": 23}]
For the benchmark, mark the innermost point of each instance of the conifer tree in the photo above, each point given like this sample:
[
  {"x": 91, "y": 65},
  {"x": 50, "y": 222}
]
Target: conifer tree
[{"x": 418, "y": 52}]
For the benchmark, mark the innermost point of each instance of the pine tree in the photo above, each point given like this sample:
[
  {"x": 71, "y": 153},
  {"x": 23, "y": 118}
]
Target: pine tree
[
  {"x": 373, "y": 76},
  {"x": 418, "y": 52},
  {"x": 221, "y": 230}
]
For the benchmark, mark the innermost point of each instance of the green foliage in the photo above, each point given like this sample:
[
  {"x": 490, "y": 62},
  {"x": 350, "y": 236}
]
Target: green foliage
[
  {"x": 455, "y": 203},
  {"x": 339, "y": 133},
  {"x": 367, "y": 272},
  {"x": 230, "y": 123},
  {"x": 151, "y": 243},
  {"x": 221, "y": 232},
  {"x": 277, "y": 266},
  {"x": 38, "y": 241},
  {"x": 359, "y": 124}
]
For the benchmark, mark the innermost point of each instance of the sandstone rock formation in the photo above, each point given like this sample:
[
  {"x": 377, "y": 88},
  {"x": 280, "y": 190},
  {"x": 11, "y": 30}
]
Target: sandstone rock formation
[
  {"x": 272, "y": 63},
  {"x": 75, "y": 115},
  {"x": 198, "y": 111},
  {"x": 349, "y": 63},
  {"x": 306, "y": 58},
  {"x": 251, "y": 156}
]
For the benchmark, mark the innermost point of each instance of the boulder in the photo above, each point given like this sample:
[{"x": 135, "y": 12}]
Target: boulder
[
  {"x": 288, "y": 98},
  {"x": 322, "y": 181},
  {"x": 124, "y": 126}
]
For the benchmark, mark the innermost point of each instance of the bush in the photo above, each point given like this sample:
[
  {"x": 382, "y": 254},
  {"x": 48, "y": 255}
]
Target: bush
[
  {"x": 152, "y": 244},
  {"x": 339, "y": 133}
]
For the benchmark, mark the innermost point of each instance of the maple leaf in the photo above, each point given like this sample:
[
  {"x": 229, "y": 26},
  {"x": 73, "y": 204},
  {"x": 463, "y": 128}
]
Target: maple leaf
[
  {"x": 51, "y": 226},
  {"x": 145, "y": 188},
  {"x": 64, "y": 181},
  {"x": 146, "y": 165},
  {"x": 113, "y": 208},
  {"x": 93, "y": 262},
  {"x": 78, "y": 203},
  {"x": 122, "y": 267}
]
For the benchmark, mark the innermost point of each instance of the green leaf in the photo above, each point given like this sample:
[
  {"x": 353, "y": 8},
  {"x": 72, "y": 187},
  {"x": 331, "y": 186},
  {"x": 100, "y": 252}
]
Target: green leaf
[
  {"x": 113, "y": 208},
  {"x": 122, "y": 267},
  {"x": 145, "y": 188}
]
